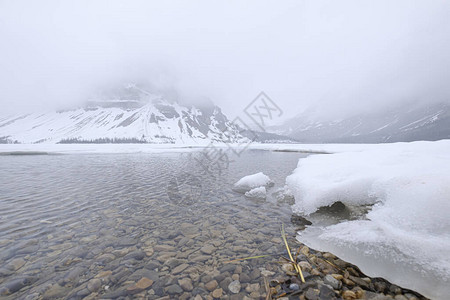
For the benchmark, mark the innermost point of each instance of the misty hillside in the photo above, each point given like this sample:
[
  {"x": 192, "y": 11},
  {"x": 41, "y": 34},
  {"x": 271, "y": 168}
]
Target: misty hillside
[
  {"x": 128, "y": 116},
  {"x": 400, "y": 124}
]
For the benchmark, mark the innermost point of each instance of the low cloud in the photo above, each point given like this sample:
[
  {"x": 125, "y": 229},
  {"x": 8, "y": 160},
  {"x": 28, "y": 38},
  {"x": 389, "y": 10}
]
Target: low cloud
[{"x": 342, "y": 57}]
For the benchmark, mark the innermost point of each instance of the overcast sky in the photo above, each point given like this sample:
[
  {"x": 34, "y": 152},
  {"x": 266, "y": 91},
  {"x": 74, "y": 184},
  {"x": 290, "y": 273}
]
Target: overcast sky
[{"x": 345, "y": 56}]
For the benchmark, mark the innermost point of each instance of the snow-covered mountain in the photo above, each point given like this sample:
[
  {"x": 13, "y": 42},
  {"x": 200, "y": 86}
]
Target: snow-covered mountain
[
  {"x": 399, "y": 124},
  {"x": 134, "y": 116}
]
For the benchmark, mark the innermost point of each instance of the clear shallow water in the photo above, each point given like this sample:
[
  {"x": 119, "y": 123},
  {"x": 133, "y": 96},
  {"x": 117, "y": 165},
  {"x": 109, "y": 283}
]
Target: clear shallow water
[{"x": 82, "y": 225}]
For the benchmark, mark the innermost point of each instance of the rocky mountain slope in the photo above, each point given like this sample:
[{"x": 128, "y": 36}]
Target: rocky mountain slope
[{"x": 130, "y": 116}]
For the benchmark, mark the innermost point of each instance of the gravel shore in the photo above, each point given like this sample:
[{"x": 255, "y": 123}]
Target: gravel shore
[
  {"x": 193, "y": 259},
  {"x": 328, "y": 277}
]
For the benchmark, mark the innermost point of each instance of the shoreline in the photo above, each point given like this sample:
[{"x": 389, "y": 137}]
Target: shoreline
[
  {"x": 202, "y": 251},
  {"x": 329, "y": 277}
]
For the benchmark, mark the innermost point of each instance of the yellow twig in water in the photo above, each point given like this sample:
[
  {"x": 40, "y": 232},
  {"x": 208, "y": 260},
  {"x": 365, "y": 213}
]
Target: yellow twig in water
[
  {"x": 298, "y": 253},
  {"x": 266, "y": 285},
  {"x": 296, "y": 266},
  {"x": 330, "y": 263}
]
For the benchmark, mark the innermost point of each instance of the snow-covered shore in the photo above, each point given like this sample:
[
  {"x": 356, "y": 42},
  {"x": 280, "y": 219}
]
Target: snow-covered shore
[
  {"x": 405, "y": 236},
  {"x": 152, "y": 148},
  {"x": 96, "y": 148}
]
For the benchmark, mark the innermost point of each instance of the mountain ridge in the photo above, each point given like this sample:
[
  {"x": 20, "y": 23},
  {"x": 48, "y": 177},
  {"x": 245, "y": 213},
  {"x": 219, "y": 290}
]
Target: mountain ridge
[
  {"x": 130, "y": 115},
  {"x": 404, "y": 123},
  {"x": 139, "y": 117}
]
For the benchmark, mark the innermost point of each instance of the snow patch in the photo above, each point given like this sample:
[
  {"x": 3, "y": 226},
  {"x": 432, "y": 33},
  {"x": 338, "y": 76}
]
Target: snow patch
[{"x": 250, "y": 182}]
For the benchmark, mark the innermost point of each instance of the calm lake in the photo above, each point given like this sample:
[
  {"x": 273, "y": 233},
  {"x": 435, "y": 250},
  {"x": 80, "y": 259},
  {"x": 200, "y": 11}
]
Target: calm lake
[{"x": 93, "y": 225}]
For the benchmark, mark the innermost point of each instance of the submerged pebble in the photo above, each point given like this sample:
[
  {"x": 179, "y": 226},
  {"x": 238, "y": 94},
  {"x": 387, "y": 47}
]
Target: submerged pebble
[{"x": 119, "y": 239}]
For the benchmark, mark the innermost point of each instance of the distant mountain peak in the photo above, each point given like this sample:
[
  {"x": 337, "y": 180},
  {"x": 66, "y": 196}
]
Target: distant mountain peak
[{"x": 127, "y": 114}]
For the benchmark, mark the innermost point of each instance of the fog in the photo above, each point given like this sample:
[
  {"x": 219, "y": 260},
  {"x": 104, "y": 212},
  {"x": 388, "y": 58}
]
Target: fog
[{"x": 342, "y": 57}]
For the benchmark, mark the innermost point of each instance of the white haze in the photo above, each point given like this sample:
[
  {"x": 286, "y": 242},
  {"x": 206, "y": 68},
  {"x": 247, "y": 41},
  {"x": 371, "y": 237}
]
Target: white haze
[{"x": 344, "y": 56}]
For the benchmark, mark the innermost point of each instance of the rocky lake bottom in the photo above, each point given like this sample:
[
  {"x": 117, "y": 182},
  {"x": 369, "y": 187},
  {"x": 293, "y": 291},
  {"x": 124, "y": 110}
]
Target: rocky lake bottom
[{"x": 151, "y": 226}]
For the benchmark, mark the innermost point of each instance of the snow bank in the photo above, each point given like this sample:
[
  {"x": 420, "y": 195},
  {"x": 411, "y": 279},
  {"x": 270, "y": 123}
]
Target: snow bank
[
  {"x": 250, "y": 182},
  {"x": 371, "y": 176},
  {"x": 409, "y": 224}
]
